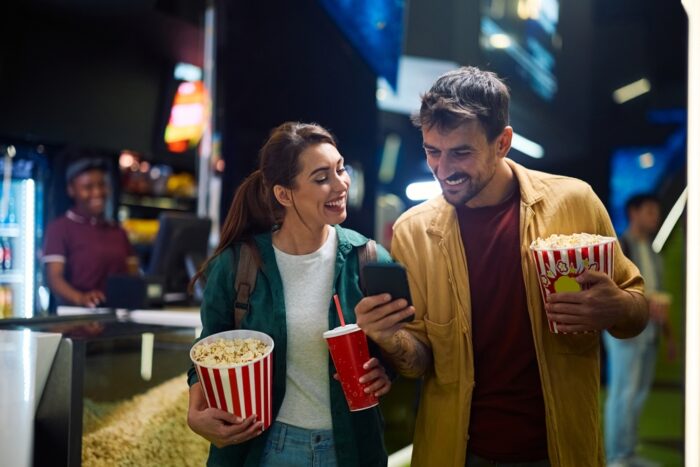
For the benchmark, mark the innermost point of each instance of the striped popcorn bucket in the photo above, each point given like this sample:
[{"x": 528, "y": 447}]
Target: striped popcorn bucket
[
  {"x": 557, "y": 267},
  {"x": 241, "y": 389}
]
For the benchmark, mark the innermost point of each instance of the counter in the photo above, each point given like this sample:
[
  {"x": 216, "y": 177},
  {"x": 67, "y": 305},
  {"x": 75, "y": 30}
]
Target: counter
[
  {"x": 25, "y": 360},
  {"x": 105, "y": 356}
]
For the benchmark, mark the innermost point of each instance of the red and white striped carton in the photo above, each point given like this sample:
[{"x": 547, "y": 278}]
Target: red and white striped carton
[
  {"x": 557, "y": 267},
  {"x": 243, "y": 389}
]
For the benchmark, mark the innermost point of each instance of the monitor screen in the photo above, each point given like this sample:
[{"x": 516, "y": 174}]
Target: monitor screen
[
  {"x": 520, "y": 39},
  {"x": 181, "y": 246}
]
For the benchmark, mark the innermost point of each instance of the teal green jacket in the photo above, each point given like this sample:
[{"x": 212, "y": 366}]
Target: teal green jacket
[{"x": 358, "y": 436}]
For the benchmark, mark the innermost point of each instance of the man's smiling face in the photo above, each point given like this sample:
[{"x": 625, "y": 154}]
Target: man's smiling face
[{"x": 462, "y": 160}]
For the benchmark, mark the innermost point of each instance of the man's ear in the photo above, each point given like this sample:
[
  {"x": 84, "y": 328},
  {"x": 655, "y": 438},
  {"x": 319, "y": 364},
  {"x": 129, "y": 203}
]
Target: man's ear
[
  {"x": 70, "y": 190},
  {"x": 503, "y": 141},
  {"x": 283, "y": 195}
]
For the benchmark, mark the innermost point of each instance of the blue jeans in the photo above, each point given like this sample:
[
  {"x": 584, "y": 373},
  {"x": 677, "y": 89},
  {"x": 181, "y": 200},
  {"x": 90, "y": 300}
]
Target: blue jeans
[
  {"x": 631, "y": 367},
  {"x": 290, "y": 446}
]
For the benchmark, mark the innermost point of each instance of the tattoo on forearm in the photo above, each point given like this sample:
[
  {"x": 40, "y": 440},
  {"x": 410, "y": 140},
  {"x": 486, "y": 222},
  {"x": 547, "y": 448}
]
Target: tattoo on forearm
[{"x": 410, "y": 356}]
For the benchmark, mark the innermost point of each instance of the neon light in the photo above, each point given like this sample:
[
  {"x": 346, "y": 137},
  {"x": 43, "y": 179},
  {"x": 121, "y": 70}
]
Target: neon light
[
  {"x": 28, "y": 242},
  {"x": 670, "y": 222}
]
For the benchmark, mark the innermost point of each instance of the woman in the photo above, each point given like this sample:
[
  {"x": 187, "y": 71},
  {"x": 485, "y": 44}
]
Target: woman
[{"x": 288, "y": 210}]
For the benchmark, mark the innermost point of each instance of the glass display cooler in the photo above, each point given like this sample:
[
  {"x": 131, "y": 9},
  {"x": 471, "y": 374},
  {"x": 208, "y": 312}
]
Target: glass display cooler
[
  {"x": 20, "y": 231},
  {"x": 116, "y": 393}
]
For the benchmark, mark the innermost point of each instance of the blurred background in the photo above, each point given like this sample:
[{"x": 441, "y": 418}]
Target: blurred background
[{"x": 179, "y": 95}]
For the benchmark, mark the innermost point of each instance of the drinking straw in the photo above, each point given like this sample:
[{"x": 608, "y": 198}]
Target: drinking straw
[{"x": 339, "y": 310}]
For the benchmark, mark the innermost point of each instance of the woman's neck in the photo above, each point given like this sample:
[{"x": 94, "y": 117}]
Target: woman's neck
[{"x": 300, "y": 239}]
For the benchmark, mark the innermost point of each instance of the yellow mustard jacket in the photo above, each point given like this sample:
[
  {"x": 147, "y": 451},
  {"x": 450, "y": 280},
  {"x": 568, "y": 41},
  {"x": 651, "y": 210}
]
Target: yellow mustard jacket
[{"x": 427, "y": 241}]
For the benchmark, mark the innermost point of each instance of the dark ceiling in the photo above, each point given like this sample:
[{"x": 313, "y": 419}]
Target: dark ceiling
[
  {"x": 607, "y": 43},
  {"x": 97, "y": 74}
]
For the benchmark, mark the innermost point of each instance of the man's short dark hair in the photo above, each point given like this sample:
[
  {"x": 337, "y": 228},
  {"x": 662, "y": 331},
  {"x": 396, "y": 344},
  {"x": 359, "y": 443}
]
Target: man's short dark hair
[
  {"x": 463, "y": 95},
  {"x": 636, "y": 201},
  {"x": 80, "y": 166}
]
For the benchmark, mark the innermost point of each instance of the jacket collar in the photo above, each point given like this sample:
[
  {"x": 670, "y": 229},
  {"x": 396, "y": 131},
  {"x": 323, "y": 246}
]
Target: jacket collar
[
  {"x": 531, "y": 191},
  {"x": 531, "y": 188}
]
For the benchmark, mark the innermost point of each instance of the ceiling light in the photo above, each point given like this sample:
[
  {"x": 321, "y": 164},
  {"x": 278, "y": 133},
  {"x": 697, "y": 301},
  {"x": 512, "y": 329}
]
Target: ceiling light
[
  {"x": 187, "y": 72},
  {"x": 632, "y": 90},
  {"x": 646, "y": 160},
  {"x": 500, "y": 41},
  {"x": 526, "y": 146},
  {"x": 420, "y": 191}
]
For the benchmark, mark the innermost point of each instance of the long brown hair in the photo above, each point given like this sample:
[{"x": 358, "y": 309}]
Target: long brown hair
[{"x": 254, "y": 208}]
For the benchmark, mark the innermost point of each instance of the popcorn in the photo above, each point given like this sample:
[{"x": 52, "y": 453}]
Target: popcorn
[
  {"x": 577, "y": 240},
  {"x": 226, "y": 352},
  {"x": 559, "y": 259},
  {"x": 235, "y": 371}
]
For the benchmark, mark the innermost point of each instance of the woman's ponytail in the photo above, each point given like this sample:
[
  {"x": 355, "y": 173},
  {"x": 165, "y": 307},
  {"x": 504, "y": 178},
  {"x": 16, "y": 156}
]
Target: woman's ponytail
[{"x": 250, "y": 214}]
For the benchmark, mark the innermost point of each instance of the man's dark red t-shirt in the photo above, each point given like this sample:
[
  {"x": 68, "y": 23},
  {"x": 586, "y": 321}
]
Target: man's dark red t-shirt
[
  {"x": 91, "y": 248},
  {"x": 507, "y": 412}
]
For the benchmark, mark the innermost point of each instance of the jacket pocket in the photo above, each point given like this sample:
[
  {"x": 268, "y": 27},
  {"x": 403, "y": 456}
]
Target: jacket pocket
[
  {"x": 577, "y": 344},
  {"x": 445, "y": 341}
]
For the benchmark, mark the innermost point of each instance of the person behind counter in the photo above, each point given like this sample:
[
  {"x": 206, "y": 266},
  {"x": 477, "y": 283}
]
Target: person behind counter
[
  {"x": 289, "y": 210},
  {"x": 82, "y": 248}
]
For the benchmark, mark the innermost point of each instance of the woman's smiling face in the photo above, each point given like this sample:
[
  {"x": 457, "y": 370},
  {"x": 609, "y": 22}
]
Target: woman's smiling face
[{"x": 319, "y": 195}]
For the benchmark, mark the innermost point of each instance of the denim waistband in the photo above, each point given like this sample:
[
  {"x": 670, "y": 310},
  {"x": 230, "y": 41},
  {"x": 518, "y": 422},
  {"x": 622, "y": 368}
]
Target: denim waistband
[{"x": 282, "y": 433}]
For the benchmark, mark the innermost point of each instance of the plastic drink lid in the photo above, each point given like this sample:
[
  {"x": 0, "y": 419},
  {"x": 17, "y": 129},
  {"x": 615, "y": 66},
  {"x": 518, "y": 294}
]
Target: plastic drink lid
[{"x": 340, "y": 331}]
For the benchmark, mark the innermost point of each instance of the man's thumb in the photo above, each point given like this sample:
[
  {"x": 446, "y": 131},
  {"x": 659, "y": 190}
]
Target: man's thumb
[{"x": 590, "y": 277}]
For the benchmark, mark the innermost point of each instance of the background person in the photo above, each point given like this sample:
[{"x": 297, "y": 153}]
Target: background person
[
  {"x": 632, "y": 362},
  {"x": 499, "y": 387},
  {"x": 289, "y": 210},
  {"x": 83, "y": 248}
]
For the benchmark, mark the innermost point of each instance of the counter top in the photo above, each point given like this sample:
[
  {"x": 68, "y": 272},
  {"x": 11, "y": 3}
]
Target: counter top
[
  {"x": 86, "y": 324},
  {"x": 25, "y": 360}
]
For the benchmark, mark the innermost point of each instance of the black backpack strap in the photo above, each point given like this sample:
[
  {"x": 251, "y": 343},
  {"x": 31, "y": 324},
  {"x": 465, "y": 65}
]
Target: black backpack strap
[
  {"x": 246, "y": 274},
  {"x": 366, "y": 253}
]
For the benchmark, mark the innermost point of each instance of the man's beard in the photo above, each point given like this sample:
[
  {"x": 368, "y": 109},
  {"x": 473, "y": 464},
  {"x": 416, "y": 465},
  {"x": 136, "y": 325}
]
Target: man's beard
[{"x": 472, "y": 187}]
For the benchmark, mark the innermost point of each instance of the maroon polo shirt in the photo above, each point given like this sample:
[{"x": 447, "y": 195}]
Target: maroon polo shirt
[
  {"x": 507, "y": 411},
  {"x": 91, "y": 248}
]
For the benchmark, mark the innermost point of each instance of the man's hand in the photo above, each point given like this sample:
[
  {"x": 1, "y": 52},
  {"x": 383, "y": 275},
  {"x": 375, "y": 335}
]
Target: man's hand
[
  {"x": 600, "y": 305},
  {"x": 91, "y": 299},
  {"x": 217, "y": 426},
  {"x": 380, "y": 318}
]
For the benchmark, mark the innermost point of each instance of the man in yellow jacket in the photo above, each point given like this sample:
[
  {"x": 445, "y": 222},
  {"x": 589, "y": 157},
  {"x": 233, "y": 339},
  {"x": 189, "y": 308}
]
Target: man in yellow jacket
[{"x": 499, "y": 387}]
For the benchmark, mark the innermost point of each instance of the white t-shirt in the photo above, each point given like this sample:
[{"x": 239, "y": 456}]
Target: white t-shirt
[{"x": 308, "y": 292}]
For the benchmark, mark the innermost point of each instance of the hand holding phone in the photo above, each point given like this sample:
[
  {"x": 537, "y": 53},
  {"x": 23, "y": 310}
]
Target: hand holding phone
[{"x": 379, "y": 278}]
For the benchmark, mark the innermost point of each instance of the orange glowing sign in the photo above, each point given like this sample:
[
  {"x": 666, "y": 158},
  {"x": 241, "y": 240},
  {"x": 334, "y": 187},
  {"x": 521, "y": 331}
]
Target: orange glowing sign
[{"x": 188, "y": 116}]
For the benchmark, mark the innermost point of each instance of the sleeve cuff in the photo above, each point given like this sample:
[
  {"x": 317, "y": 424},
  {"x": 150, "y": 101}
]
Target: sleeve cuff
[{"x": 53, "y": 259}]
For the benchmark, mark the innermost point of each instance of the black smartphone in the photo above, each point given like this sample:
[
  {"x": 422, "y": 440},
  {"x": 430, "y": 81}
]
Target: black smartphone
[{"x": 388, "y": 278}]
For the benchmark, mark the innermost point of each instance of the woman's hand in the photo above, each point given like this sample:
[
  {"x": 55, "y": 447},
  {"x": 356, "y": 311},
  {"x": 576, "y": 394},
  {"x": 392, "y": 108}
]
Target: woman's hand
[
  {"x": 217, "y": 426},
  {"x": 379, "y": 383}
]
